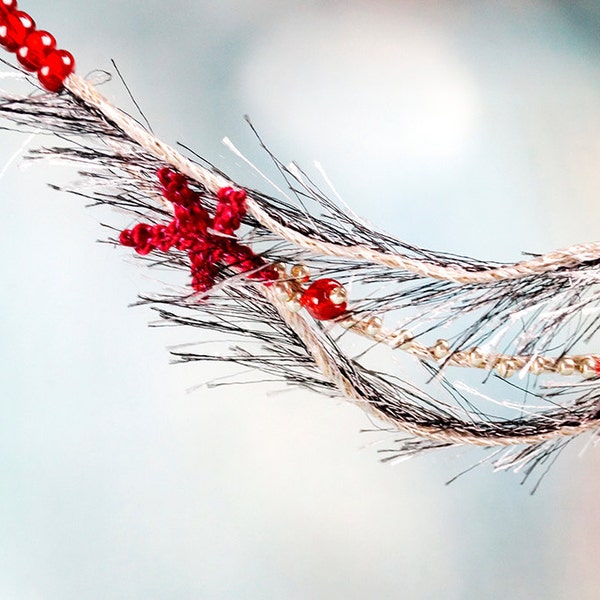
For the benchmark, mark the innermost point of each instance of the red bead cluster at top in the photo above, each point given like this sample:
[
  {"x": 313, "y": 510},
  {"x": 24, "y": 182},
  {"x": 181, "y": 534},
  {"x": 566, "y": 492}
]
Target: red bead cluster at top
[
  {"x": 35, "y": 49},
  {"x": 208, "y": 241}
]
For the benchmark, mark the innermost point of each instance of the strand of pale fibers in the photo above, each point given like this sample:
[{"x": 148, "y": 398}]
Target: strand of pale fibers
[
  {"x": 328, "y": 366},
  {"x": 564, "y": 258}
]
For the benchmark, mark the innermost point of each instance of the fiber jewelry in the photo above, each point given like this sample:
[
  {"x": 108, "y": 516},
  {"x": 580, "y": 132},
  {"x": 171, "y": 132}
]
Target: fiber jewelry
[{"x": 311, "y": 292}]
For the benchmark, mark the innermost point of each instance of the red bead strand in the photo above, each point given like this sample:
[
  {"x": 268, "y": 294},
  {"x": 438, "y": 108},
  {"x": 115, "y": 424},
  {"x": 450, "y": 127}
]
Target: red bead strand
[
  {"x": 57, "y": 66},
  {"x": 36, "y": 50},
  {"x": 33, "y": 52},
  {"x": 15, "y": 29}
]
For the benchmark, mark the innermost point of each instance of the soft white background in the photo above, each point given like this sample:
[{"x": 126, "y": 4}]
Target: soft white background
[{"x": 472, "y": 127}]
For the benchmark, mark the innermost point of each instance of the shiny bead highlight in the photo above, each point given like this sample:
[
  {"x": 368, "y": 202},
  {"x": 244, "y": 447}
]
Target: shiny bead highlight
[
  {"x": 8, "y": 5},
  {"x": 505, "y": 368},
  {"x": 317, "y": 300},
  {"x": 300, "y": 272},
  {"x": 14, "y": 30},
  {"x": 588, "y": 368},
  {"x": 400, "y": 339},
  {"x": 294, "y": 304},
  {"x": 373, "y": 325},
  {"x": 57, "y": 66},
  {"x": 339, "y": 295},
  {"x": 536, "y": 367},
  {"x": 441, "y": 349},
  {"x": 477, "y": 358},
  {"x": 283, "y": 291},
  {"x": 37, "y": 46},
  {"x": 566, "y": 366}
]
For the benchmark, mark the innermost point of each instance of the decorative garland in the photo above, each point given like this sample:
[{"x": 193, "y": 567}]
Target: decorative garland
[{"x": 298, "y": 283}]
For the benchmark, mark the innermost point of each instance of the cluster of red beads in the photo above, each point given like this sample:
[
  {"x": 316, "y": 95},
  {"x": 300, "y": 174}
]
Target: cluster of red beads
[
  {"x": 208, "y": 241},
  {"x": 35, "y": 49}
]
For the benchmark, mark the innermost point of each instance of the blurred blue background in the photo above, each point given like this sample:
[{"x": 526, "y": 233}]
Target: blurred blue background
[{"x": 471, "y": 127}]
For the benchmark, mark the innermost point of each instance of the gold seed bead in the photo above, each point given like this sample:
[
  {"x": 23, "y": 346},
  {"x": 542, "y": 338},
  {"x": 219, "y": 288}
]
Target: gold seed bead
[
  {"x": 536, "y": 367},
  {"x": 338, "y": 295},
  {"x": 566, "y": 366},
  {"x": 293, "y": 304},
  {"x": 349, "y": 323},
  {"x": 409, "y": 338},
  {"x": 588, "y": 368},
  {"x": 372, "y": 325},
  {"x": 477, "y": 358},
  {"x": 280, "y": 269},
  {"x": 505, "y": 368},
  {"x": 441, "y": 349},
  {"x": 284, "y": 291},
  {"x": 300, "y": 273},
  {"x": 401, "y": 338}
]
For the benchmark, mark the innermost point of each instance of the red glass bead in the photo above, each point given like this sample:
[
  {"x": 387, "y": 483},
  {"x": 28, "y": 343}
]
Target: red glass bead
[
  {"x": 176, "y": 184},
  {"x": 57, "y": 66},
  {"x": 224, "y": 193},
  {"x": 37, "y": 46},
  {"x": 233, "y": 196},
  {"x": 163, "y": 237},
  {"x": 317, "y": 301},
  {"x": 8, "y": 5},
  {"x": 597, "y": 366},
  {"x": 230, "y": 210},
  {"x": 141, "y": 235},
  {"x": 164, "y": 175},
  {"x": 268, "y": 275},
  {"x": 15, "y": 29},
  {"x": 125, "y": 238}
]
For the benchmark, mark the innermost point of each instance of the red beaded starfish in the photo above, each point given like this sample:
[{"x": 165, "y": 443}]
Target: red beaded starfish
[{"x": 207, "y": 240}]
